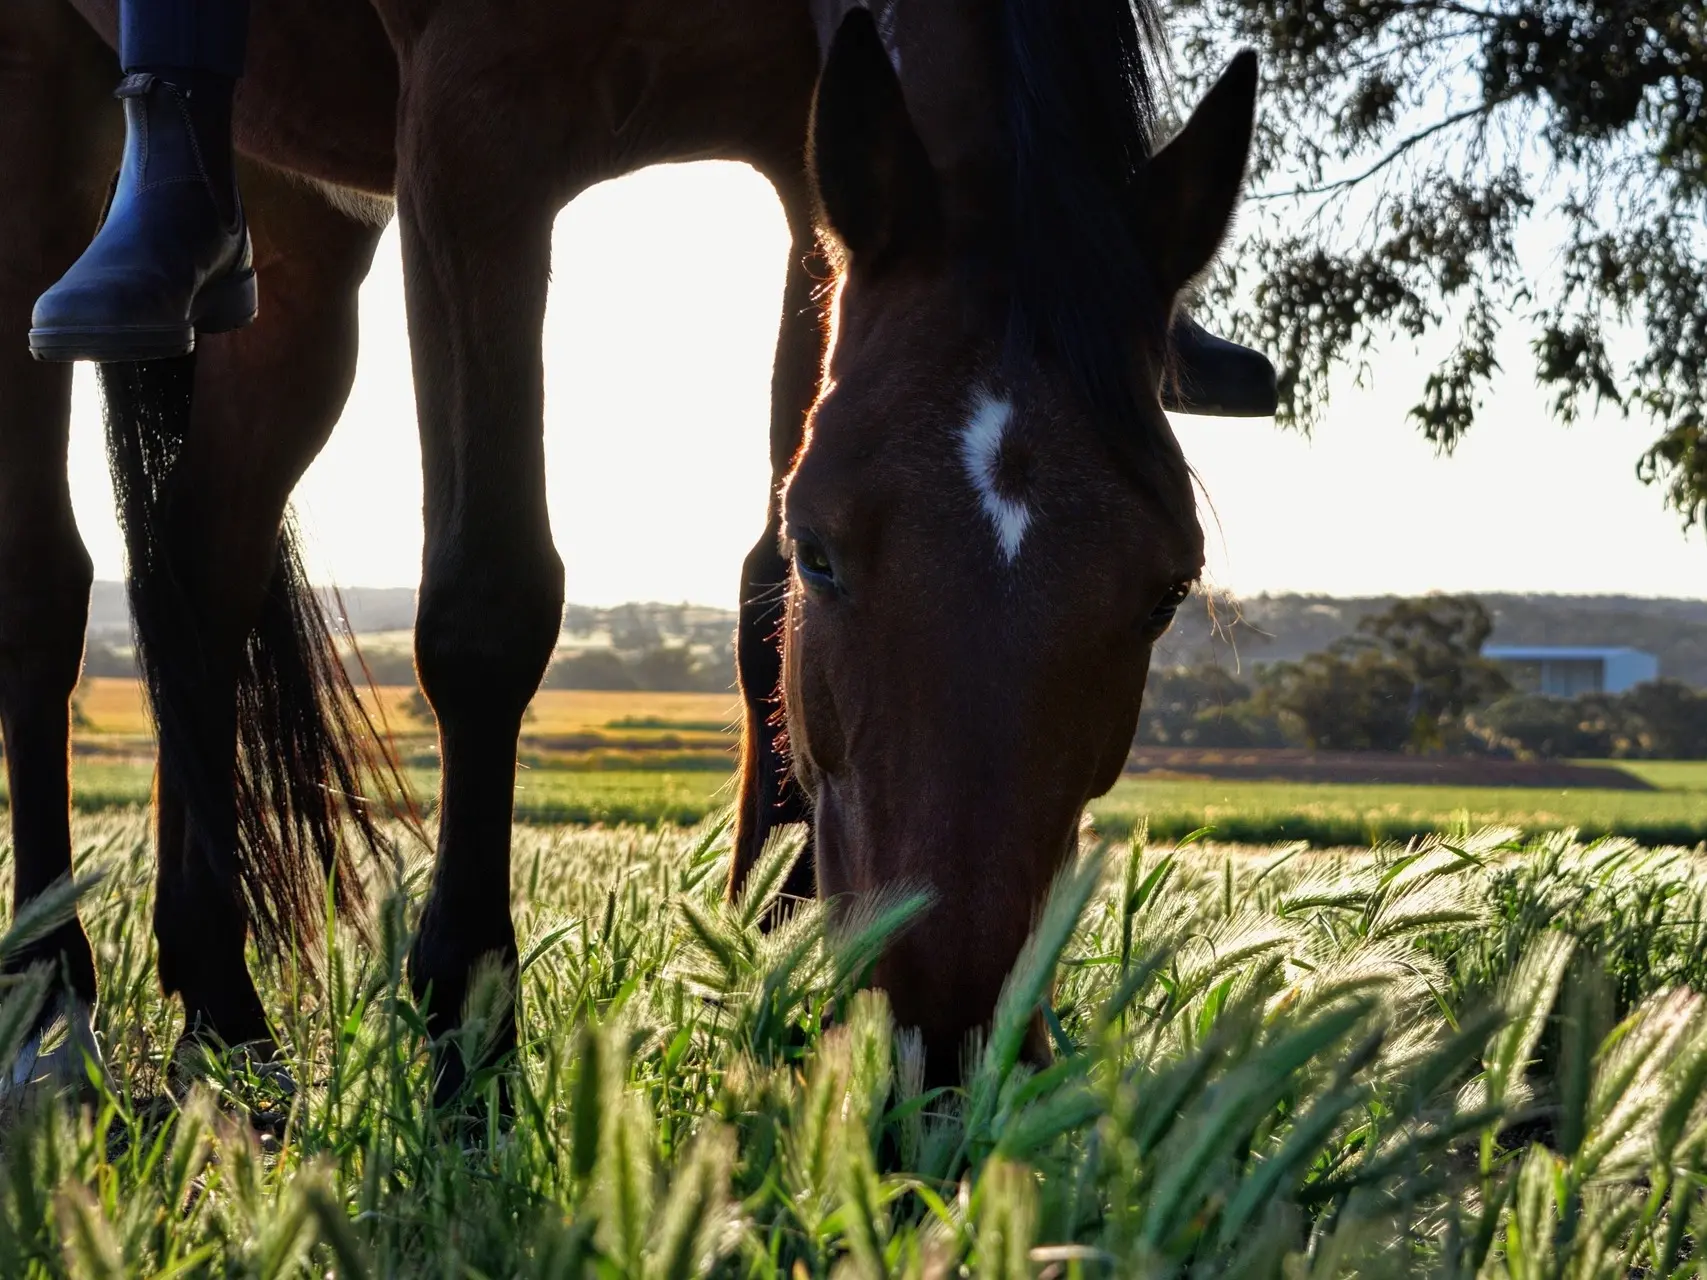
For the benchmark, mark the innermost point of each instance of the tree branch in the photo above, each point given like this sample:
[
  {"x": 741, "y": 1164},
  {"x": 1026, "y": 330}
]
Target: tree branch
[{"x": 1416, "y": 139}]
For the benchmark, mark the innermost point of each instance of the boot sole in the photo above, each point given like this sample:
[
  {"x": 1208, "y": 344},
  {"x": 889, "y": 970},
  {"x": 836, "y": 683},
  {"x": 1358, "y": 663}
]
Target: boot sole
[{"x": 228, "y": 304}]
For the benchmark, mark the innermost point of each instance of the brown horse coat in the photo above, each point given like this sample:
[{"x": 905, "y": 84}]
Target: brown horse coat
[{"x": 952, "y": 702}]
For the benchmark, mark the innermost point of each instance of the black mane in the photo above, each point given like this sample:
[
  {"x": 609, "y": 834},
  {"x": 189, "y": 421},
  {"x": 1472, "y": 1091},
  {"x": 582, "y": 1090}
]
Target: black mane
[{"x": 1082, "y": 84}]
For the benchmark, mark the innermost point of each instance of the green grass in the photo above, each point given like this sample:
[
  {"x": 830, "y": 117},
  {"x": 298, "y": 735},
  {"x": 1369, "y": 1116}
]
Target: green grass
[
  {"x": 1473, "y": 1058},
  {"x": 103, "y": 784},
  {"x": 614, "y": 796},
  {"x": 1672, "y": 775},
  {"x": 1245, "y": 812},
  {"x": 580, "y": 796},
  {"x": 1325, "y": 815}
]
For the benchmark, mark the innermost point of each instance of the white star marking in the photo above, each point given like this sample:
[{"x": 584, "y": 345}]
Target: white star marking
[{"x": 981, "y": 453}]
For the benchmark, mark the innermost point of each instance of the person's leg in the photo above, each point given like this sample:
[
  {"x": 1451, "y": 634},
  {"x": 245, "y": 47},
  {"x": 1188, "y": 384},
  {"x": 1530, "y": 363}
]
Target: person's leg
[
  {"x": 197, "y": 46},
  {"x": 172, "y": 257},
  {"x": 207, "y": 36}
]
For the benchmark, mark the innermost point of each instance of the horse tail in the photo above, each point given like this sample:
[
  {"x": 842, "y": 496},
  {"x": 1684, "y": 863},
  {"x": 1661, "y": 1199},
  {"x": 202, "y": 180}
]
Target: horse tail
[{"x": 314, "y": 775}]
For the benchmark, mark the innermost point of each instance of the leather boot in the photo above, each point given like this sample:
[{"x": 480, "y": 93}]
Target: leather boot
[
  {"x": 1218, "y": 378},
  {"x": 172, "y": 258}
]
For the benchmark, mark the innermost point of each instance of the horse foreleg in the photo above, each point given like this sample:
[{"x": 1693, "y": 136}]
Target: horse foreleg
[
  {"x": 769, "y": 795},
  {"x": 475, "y": 212},
  {"x": 266, "y": 399},
  {"x": 56, "y": 151}
]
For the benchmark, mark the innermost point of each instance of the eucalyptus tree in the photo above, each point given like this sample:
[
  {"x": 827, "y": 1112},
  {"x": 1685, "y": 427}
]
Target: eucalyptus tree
[{"x": 1466, "y": 164}]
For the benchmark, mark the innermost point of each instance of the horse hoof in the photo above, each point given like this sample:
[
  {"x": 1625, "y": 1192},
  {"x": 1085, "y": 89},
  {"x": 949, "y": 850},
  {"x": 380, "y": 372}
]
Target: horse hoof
[
  {"x": 62, "y": 1054},
  {"x": 247, "y": 1076}
]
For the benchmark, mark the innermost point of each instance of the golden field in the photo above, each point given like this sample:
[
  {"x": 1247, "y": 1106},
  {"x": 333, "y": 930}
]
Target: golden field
[{"x": 115, "y": 706}]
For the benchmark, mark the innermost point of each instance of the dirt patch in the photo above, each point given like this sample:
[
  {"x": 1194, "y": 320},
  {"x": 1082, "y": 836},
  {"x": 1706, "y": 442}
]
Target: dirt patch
[{"x": 1291, "y": 765}]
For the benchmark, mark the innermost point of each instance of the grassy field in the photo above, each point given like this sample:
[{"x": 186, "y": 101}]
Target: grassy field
[
  {"x": 1328, "y": 815},
  {"x": 595, "y": 757},
  {"x": 1482, "y": 1058},
  {"x": 1244, "y": 812},
  {"x": 1323, "y": 815}
]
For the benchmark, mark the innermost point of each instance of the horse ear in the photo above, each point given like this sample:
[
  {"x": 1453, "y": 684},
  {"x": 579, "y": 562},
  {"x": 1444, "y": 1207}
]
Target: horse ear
[
  {"x": 876, "y": 188},
  {"x": 1195, "y": 179}
]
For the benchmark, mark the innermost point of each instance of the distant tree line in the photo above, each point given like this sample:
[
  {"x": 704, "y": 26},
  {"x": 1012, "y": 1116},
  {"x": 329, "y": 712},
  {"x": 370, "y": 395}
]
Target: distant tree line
[
  {"x": 1661, "y": 720},
  {"x": 663, "y": 669},
  {"x": 103, "y": 659},
  {"x": 647, "y": 647},
  {"x": 657, "y": 648},
  {"x": 1411, "y": 678},
  {"x": 1212, "y": 627}
]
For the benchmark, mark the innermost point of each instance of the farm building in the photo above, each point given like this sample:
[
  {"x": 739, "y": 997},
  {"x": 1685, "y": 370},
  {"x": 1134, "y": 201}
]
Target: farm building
[{"x": 1565, "y": 671}]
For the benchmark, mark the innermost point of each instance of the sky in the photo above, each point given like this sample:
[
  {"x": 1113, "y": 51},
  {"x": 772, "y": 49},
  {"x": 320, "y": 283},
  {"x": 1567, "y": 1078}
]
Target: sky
[{"x": 656, "y": 405}]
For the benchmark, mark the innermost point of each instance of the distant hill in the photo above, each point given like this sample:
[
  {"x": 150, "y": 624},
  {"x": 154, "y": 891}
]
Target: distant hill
[
  {"x": 107, "y": 608},
  {"x": 368, "y": 609},
  {"x": 371, "y": 609},
  {"x": 1248, "y": 632},
  {"x": 695, "y": 638},
  {"x": 1282, "y": 628}
]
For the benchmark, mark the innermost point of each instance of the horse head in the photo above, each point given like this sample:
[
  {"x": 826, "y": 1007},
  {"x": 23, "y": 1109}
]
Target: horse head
[{"x": 990, "y": 520}]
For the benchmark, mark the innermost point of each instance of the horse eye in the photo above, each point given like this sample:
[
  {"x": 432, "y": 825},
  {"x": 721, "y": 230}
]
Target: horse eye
[
  {"x": 814, "y": 562},
  {"x": 1169, "y": 604}
]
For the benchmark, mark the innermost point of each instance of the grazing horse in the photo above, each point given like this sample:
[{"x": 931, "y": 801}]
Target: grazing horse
[
  {"x": 990, "y": 518},
  {"x": 979, "y": 518}
]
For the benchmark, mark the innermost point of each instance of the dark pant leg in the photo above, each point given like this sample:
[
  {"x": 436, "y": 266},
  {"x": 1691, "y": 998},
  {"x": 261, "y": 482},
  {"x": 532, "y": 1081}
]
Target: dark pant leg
[{"x": 196, "y": 35}]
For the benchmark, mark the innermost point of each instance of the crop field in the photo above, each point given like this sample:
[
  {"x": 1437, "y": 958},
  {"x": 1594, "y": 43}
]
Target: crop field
[
  {"x": 1321, "y": 814},
  {"x": 114, "y": 708},
  {"x": 1478, "y": 1056},
  {"x": 1327, "y": 814},
  {"x": 618, "y": 757}
]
